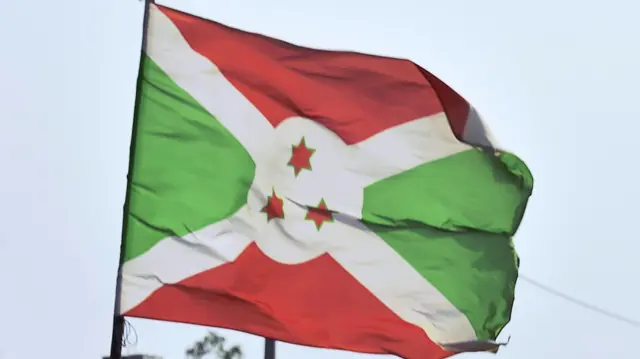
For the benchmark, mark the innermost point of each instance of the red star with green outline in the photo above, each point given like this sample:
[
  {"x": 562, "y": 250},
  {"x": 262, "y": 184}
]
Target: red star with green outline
[
  {"x": 319, "y": 214},
  {"x": 274, "y": 207},
  {"x": 301, "y": 157}
]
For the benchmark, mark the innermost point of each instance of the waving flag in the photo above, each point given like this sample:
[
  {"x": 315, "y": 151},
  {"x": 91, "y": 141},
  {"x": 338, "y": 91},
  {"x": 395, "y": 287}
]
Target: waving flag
[{"x": 329, "y": 199}]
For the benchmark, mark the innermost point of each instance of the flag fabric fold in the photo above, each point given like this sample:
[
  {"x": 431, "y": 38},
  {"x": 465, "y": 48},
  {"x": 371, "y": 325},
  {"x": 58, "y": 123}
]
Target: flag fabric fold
[{"x": 323, "y": 198}]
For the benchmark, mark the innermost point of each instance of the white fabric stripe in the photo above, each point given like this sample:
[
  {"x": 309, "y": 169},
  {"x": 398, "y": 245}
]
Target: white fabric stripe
[
  {"x": 177, "y": 258},
  {"x": 339, "y": 175},
  {"x": 204, "y": 81},
  {"x": 476, "y": 131},
  {"x": 406, "y": 146}
]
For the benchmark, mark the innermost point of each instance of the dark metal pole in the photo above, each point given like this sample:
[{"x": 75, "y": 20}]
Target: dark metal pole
[
  {"x": 269, "y": 348},
  {"x": 116, "y": 337},
  {"x": 117, "y": 331}
]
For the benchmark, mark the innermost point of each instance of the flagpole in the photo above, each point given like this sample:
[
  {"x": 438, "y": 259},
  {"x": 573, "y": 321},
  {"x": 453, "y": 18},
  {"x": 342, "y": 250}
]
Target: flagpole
[
  {"x": 116, "y": 337},
  {"x": 118, "y": 327},
  {"x": 269, "y": 348}
]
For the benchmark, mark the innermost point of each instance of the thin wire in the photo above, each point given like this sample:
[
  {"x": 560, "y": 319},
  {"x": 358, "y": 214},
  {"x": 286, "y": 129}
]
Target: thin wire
[
  {"x": 589, "y": 306},
  {"x": 130, "y": 337}
]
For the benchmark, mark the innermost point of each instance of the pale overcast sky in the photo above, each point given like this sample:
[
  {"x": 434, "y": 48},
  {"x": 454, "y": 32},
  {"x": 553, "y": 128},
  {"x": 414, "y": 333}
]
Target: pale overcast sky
[{"x": 557, "y": 81}]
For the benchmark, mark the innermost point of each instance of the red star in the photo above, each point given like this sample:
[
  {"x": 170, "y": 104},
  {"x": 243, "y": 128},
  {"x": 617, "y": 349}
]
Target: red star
[
  {"x": 301, "y": 157},
  {"x": 319, "y": 214},
  {"x": 274, "y": 207}
]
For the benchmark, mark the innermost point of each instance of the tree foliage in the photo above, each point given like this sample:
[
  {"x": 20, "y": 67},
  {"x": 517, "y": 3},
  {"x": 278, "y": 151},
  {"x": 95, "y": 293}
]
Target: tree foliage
[{"x": 212, "y": 346}]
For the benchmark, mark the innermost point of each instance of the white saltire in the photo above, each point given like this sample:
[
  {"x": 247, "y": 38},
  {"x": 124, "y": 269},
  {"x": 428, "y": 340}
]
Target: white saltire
[{"x": 339, "y": 175}]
